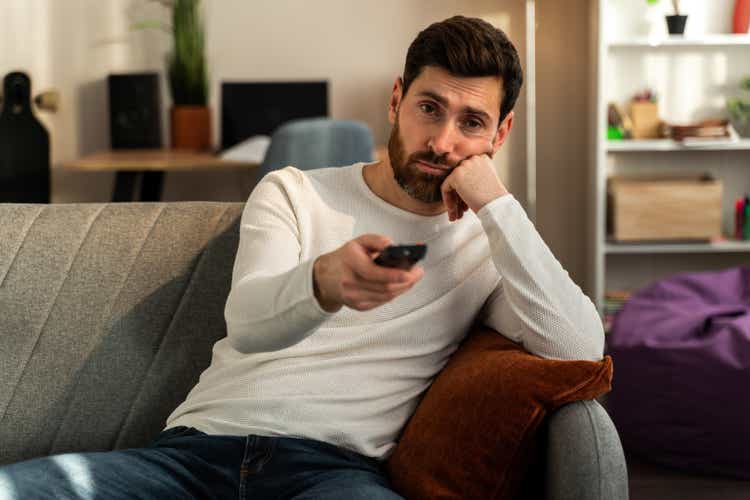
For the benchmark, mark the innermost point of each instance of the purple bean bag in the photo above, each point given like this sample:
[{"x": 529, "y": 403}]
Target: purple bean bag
[{"x": 681, "y": 388}]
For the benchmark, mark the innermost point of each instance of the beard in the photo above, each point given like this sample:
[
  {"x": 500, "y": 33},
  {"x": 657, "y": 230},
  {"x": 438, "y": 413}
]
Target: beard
[{"x": 417, "y": 184}]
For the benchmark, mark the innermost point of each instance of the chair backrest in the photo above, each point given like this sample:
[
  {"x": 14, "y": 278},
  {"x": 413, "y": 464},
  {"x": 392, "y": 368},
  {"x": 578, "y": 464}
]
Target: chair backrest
[{"x": 318, "y": 142}]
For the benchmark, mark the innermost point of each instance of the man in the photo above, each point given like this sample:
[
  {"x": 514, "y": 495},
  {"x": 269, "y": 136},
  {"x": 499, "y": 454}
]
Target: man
[{"x": 327, "y": 353}]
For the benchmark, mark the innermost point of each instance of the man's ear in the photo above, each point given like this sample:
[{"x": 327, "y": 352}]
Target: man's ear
[
  {"x": 502, "y": 132},
  {"x": 395, "y": 101}
]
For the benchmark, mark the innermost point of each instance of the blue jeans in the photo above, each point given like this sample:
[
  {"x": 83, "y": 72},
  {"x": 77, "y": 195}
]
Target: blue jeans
[{"x": 186, "y": 463}]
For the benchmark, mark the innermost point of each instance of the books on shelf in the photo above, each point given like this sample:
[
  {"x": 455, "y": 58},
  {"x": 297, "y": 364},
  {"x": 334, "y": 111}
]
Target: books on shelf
[
  {"x": 742, "y": 218},
  {"x": 642, "y": 145},
  {"x": 702, "y": 135},
  {"x": 613, "y": 302}
]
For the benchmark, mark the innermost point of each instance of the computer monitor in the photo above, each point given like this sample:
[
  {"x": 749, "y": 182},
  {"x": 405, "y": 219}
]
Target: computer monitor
[{"x": 258, "y": 108}]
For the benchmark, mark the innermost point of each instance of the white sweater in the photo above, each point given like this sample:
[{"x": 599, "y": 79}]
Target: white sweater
[{"x": 351, "y": 378}]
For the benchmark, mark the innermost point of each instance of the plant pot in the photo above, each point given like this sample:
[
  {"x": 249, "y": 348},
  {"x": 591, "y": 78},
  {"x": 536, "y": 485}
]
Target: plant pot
[
  {"x": 676, "y": 24},
  {"x": 191, "y": 127}
]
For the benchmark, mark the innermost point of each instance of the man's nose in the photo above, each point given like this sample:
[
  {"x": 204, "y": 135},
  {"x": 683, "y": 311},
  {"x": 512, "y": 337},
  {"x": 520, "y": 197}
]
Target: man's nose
[{"x": 443, "y": 140}]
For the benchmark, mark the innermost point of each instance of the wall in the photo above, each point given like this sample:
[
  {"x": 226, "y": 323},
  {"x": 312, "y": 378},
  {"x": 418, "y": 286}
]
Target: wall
[{"x": 564, "y": 115}]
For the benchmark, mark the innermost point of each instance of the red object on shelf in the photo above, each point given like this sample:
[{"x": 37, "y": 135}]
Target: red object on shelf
[
  {"x": 741, "y": 16},
  {"x": 739, "y": 218}
]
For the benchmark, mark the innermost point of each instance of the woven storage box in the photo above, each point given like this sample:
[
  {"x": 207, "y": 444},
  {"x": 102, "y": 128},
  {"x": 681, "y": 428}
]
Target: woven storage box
[{"x": 660, "y": 209}]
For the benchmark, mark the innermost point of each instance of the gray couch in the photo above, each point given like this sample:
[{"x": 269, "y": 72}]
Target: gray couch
[{"x": 108, "y": 313}]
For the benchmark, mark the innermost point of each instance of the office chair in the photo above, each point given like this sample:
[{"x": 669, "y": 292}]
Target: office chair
[{"x": 318, "y": 142}]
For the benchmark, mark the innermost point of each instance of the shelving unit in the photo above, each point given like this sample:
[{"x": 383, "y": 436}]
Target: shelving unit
[
  {"x": 707, "y": 40},
  {"x": 654, "y": 145},
  {"x": 692, "y": 75},
  {"x": 677, "y": 248}
]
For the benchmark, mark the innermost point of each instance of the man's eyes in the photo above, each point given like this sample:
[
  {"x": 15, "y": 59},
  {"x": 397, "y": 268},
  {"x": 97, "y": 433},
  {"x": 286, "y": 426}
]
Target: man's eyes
[
  {"x": 469, "y": 124},
  {"x": 428, "y": 108},
  {"x": 473, "y": 124}
]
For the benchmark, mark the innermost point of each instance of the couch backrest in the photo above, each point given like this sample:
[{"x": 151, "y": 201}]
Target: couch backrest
[{"x": 108, "y": 313}]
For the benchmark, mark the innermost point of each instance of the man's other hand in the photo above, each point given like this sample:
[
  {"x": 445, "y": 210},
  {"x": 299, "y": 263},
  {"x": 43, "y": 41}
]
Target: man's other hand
[
  {"x": 471, "y": 185},
  {"x": 349, "y": 277}
]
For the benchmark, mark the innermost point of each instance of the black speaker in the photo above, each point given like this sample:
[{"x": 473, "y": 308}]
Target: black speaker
[{"x": 134, "y": 111}]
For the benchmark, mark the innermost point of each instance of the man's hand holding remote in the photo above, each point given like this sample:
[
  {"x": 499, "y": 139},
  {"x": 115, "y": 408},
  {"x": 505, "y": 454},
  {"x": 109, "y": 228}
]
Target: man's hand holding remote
[{"x": 349, "y": 277}]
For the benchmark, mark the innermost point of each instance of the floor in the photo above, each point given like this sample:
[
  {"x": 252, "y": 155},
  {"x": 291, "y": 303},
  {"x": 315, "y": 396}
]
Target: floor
[
  {"x": 648, "y": 481},
  {"x": 653, "y": 482}
]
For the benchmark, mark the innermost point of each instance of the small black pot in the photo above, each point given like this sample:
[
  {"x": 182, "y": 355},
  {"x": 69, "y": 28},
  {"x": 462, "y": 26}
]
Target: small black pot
[{"x": 676, "y": 24}]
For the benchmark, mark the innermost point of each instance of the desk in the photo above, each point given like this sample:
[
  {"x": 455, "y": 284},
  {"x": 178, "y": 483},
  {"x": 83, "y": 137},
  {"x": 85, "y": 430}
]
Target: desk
[{"x": 149, "y": 166}]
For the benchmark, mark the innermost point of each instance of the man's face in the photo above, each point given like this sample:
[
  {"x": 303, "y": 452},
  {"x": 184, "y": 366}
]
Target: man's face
[{"x": 442, "y": 120}]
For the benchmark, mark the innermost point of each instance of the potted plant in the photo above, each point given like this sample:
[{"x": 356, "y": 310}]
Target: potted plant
[
  {"x": 188, "y": 79},
  {"x": 676, "y": 22},
  {"x": 190, "y": 117},
  {"x": 739, "y": 110}
]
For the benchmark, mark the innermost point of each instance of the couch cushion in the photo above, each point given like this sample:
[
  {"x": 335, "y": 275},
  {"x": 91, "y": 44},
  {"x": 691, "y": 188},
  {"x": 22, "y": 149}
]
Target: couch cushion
[
  {"x": 107, "y": 317},
  {"x": 473, "y": 434}
]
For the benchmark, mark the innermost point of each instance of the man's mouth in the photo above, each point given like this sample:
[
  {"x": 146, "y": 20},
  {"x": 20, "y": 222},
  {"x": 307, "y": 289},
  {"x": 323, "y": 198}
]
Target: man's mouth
[{"x": 432, "y": 169}]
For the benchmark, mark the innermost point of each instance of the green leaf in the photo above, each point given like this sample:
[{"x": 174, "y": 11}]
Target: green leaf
[
  {"x": 150, "y": 24},
  {"x": 187, "y": 64},
  {"x": 739, "y": 109}
]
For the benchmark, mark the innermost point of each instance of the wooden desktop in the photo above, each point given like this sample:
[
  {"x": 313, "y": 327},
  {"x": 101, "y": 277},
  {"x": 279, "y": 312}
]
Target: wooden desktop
[{"x": 149, "y": 166}]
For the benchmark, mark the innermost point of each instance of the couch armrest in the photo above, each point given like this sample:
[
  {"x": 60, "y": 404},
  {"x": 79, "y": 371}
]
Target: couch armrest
[{"x": 584, "y": 456}]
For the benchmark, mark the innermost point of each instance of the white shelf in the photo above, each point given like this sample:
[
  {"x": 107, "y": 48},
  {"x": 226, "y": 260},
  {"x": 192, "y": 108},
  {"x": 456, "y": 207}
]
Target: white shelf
[
  {"x": 646, "y": 145},
  {"x": 717, "y": 40},
  {"x": 693, "y": 74},
  {"x": 728, "y": 246}
]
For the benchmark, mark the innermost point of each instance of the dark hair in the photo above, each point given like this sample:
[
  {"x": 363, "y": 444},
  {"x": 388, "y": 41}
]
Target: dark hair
[{"x": 466, "y": 46}]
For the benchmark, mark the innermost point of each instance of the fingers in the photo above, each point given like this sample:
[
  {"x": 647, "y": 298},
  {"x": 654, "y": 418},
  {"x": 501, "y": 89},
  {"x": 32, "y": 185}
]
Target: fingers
[
  {"x": 382, "y": 287},
  {"x": 362, "y": 284},
  {"x": 369, "y": 271},
  {"x": 373, "y": 242},
  {"x": 363, "y": 295},
  {"x": 462, "y": 207},
  {"x": 455, "y": 205},
  {"x": 453, "y": 201},
  {"x": 384, "y": 279},
  {"x": 449, "y": 195},
  {"x": 357, "y": 294},
  {"x": 359, "y": 253}
]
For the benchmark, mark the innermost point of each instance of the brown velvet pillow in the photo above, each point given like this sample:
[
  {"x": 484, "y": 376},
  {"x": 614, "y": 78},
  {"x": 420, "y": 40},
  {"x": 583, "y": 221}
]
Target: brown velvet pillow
[{"x": 473, "y": 433}]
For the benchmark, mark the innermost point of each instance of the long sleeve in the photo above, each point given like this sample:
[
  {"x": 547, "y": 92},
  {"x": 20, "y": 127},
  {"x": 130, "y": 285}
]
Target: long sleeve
[
  {"x": 271, "y": 304},
  {"x": 536, "y": 303}
]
